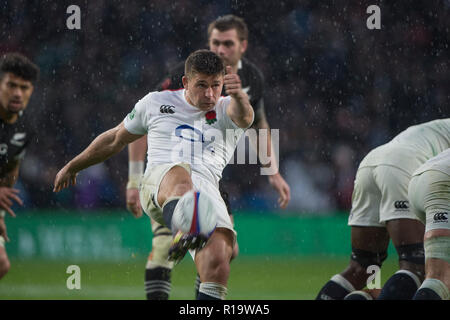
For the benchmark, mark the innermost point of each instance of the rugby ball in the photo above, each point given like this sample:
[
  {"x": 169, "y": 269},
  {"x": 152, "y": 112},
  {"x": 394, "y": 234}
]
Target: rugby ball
[{"x": 195, "y": 214}]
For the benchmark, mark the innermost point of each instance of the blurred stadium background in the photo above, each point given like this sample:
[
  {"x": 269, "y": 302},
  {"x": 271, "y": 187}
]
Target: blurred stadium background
[{"x": 334, "y": 88}]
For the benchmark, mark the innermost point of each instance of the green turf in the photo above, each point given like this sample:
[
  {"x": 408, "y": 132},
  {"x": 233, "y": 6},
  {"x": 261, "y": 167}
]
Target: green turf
[{"x": 267, "y": 278}]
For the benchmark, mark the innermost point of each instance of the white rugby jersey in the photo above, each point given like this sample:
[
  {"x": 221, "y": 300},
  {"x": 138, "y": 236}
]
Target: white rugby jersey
[
  {"x": 441, "y": 162},
  {"x": 179, "y": 132},
  {"x": 412, "y": 147}
]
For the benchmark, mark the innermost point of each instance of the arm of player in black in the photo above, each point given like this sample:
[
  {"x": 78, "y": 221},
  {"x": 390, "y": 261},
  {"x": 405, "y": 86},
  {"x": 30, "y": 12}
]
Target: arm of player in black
[
  {"x": 269, "y": 162},
  {"x": 268, "y": 156}
]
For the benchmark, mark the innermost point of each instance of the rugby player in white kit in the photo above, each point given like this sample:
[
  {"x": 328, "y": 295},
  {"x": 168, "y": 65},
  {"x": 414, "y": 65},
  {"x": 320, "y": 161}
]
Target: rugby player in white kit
[
  {"x": 429, "y": 196},
  {"x": 381, "y": 211},
  {"x": 174, "y": 121}
]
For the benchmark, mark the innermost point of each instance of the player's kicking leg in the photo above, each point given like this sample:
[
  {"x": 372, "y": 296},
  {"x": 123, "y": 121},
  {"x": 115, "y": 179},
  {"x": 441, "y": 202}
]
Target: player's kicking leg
[
  {"x": 174, "y": 184},
  {"x": 235, "y": 253},
  {"x": 165, "y": 185}
]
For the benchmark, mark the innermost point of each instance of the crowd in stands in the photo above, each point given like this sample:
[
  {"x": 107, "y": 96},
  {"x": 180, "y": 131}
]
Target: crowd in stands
[{"x": 334, "y": 88}]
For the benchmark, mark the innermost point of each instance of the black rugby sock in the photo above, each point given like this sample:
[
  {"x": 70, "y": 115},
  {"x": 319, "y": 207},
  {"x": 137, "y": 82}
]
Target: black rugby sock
[{"x": 157, "y": 283}]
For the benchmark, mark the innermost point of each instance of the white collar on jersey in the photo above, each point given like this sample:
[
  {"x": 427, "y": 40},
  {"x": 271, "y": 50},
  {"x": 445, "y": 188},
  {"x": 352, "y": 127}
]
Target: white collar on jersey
[{"x": 239, "y": 64}]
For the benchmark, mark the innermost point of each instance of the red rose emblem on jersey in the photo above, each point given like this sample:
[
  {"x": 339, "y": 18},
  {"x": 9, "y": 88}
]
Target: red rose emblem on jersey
[{"x": 211, "y": 117}]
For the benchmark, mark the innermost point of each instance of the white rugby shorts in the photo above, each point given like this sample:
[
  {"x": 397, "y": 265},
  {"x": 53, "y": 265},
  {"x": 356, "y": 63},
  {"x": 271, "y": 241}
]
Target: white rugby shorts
[
  {"x": 149, "y": 188},
  {"x": 380, "y": 194}
]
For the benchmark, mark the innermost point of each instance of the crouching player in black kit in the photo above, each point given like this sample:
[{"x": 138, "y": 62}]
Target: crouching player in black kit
[
  {"x": 17, "y": 75},
  {"x": 227, "y": 37}
]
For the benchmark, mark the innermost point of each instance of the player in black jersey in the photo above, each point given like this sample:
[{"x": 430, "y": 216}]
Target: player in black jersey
[
  {"x": 17, "y": 75},
  {"x": 228, "y": 37}
]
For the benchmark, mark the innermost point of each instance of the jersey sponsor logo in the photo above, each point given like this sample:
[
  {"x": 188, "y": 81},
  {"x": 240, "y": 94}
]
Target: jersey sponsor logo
[
  {"x": 401, "y": 205},
  {"x": 440, "y": 217},
  {"x": 166, "y": 109},
  {"x": 189, "y": 133},
  {"x": 18, "y": 139}
]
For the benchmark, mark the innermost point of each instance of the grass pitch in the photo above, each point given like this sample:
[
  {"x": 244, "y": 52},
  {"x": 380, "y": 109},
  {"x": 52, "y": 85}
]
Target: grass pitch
[{"x": 256, "y": 278}]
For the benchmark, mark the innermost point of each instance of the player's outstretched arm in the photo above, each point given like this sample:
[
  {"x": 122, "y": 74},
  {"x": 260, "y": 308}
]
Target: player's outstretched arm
[
  {"x": 136, "y": 159},
  {"x": 103, "y": 147},
  {"x": 240, "y": 110}
]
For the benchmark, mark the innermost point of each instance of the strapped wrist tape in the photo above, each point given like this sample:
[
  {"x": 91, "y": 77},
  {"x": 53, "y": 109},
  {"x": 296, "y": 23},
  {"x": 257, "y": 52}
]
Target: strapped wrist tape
[{"x": 135, "y": 172}]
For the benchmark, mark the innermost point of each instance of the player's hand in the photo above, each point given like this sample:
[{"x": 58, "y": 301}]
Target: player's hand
[
  {"x": 232, "y": 82},
  {"x": 133, "y": 202},
  {"x": 3, "y": 231},
  {"x": 281, "y": 186},
  {"x": 7, "y": 195},
  {"x": 63, "y": 179}
]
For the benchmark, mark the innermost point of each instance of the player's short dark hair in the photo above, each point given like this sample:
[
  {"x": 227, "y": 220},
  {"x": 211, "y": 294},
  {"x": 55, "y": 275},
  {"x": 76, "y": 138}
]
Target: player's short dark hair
[
  {"x": 19, "y": 65},
  {"x": 204, "y": 62},
  {"x": 228, "y": 22}
]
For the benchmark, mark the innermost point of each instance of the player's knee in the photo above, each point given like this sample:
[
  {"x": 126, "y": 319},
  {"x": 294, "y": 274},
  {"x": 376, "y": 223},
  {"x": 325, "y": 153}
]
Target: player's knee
[
  {"x": 181, "y": 187},
  {"x": 174, "y": 184}
]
